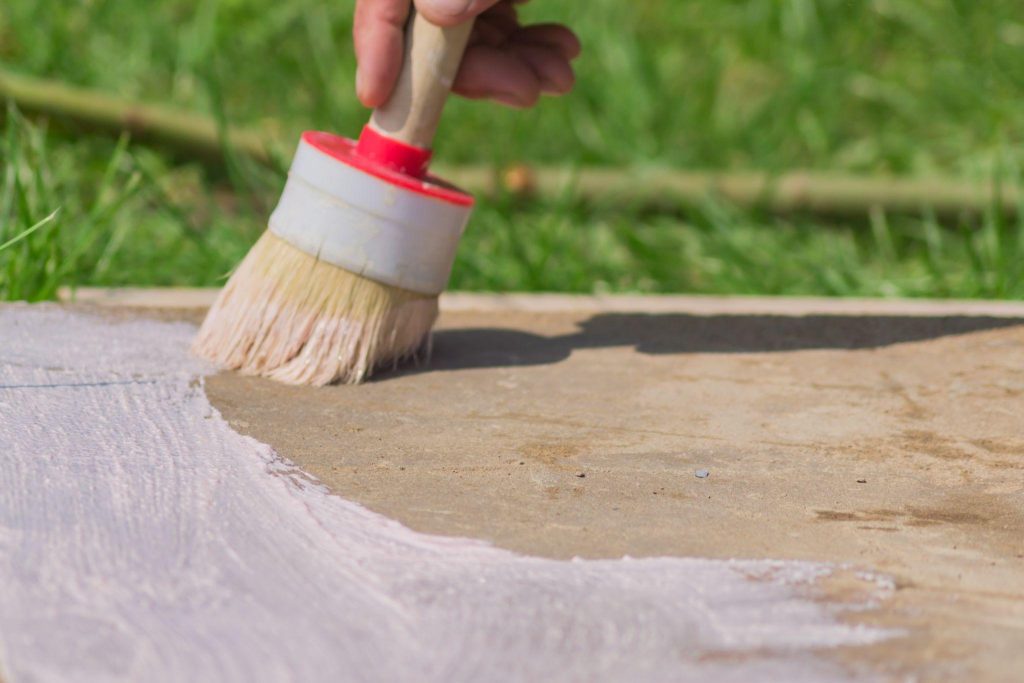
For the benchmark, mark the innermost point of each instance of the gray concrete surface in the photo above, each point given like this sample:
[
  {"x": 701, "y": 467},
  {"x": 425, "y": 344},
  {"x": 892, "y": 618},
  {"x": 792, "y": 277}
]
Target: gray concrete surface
[{"x": 886, "y": 435}]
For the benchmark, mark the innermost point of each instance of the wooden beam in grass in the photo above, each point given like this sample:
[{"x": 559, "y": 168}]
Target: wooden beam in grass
[{"x": 205, "y": 139}]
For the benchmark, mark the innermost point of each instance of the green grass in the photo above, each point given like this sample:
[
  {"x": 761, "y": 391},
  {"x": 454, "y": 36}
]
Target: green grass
[
  {"x": 56, "y": 224},
  {"x": 910, "y": 87}
]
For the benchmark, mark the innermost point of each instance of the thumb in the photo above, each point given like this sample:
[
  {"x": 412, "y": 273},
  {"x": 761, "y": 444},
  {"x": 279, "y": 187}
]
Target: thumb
[{"x": 452, "y": 12}]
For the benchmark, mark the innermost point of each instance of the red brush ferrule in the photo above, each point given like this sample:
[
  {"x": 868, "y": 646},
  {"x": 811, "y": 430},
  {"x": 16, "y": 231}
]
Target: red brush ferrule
[{"x": 392, "y": 154}]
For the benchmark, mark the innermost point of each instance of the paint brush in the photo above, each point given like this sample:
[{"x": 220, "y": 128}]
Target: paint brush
[{"x": 347, "y": 277}]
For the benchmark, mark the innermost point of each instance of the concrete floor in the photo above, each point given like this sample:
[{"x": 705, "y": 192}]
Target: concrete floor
[{"x": 889, "y": 436}]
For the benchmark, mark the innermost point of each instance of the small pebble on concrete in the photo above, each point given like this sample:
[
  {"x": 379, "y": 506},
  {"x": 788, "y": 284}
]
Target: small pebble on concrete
[{"x": 702, "y": 474}]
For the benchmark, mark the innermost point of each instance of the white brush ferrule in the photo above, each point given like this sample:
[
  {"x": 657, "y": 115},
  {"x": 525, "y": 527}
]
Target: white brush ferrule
[{"x": 369, "y": 225}]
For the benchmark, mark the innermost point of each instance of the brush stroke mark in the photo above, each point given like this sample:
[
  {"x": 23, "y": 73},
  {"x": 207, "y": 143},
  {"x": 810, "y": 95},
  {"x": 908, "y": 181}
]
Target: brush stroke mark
[{"x": 142, "y": 539}]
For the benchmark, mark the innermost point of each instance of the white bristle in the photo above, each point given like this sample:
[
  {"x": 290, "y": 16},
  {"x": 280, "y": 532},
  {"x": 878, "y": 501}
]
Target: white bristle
[{"x": 291, "y": 317}]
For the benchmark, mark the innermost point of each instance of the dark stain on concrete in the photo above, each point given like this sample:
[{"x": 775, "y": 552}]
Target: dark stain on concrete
[
  {"x": 911, "y": 516},
  {"x": 551, "y": 454},
  {"x": 929, "y": 443}
]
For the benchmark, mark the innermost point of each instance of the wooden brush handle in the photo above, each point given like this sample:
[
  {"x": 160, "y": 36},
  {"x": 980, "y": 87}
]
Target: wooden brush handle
[{"x": 431, "y": 62}]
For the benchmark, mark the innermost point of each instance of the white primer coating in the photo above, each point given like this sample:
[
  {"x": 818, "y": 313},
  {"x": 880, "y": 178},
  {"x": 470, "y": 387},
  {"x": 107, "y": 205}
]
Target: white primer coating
[
  {"x": 366, "y": 225},
  {"x": 141, "y": 539}
]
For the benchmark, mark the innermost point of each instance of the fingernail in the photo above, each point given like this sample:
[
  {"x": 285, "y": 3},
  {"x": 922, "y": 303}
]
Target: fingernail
[{"x": 450, "y": 8}]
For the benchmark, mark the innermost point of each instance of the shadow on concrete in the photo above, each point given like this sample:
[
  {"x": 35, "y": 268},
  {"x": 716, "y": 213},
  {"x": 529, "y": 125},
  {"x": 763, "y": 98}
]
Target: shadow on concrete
[{"x": 660, "y": 334}]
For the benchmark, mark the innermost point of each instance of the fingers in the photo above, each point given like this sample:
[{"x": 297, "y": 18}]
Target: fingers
[
  {"x": 496, "y": 25},
  {"x": 452, "y": 12},
  {"x": 516, "y": 68},
  {"x": 510, "y": 64},
  {"x": 498, "y": 74},
  {"x": 554, "y": 75},
  {"x": 379, "y": 35},
  {"x": 516, "y": 75},
  {"x": 554, "y": 35}
]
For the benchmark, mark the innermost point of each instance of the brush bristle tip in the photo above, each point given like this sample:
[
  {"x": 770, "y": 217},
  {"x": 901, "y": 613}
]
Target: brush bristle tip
[{"x": 289, "y": 316}]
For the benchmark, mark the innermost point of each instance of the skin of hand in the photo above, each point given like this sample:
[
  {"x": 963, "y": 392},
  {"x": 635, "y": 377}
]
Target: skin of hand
[{"x": 505, "y": 61}]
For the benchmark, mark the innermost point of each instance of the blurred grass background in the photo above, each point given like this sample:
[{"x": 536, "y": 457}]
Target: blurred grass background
[{"x": 898, "y": 87}]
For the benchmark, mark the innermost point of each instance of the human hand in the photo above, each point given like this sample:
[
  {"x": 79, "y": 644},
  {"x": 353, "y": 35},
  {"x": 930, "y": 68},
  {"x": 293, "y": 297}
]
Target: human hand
[{"x": 505, "y": 61}]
